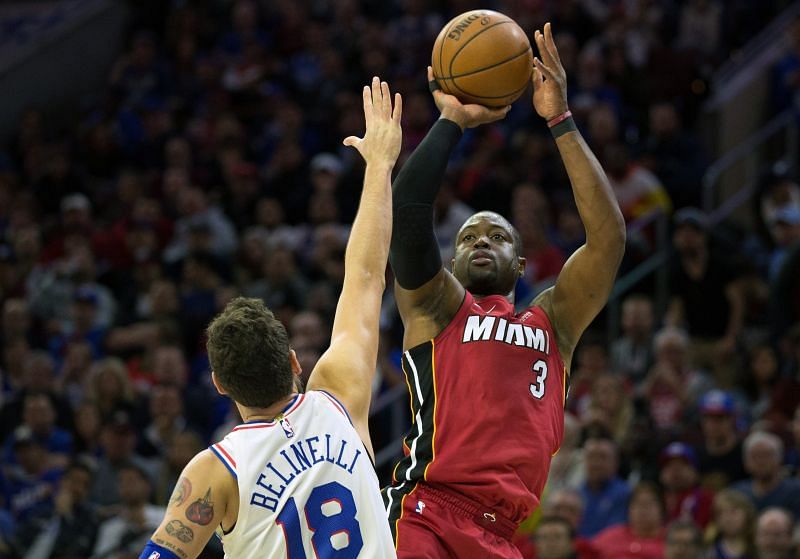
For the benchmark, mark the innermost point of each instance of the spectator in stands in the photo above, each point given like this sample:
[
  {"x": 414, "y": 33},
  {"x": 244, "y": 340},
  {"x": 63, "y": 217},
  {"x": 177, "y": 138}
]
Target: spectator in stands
[
  {"x": 705, "y": 296},
  {"x": 166, "y": 421},
  {"x": 182, "y": 449},
  {"x": 29, "y": 483},
  {"x": 127, "y": 532},
  {"x": 638, "y": 190},
  {"x": 555, "y": 539},
  {"x": 684, "y": 541},
  {"x": 672, "y": 381},
  {"x": 109, "y": 388},
  {"x": 632, "y": 353},
  {"x": 642, "y": 536},
  {"x": 768, "y": 486},
  {"x": 674, "y": 155},
  {"x": 610, "y": 406},
  {"x": 604, "y": 494},
  {"x": 568, "y": 467},
  {"x": 683, "y": 496},
  {"x": 720, "y": 454},
  {"x": 71, "y": 530},
  {"x": 733, "y": 526},
  {"x": 38, "y": 421},
  {"x": 118, "y": 442},
  {"x": 774, "y": 534}
]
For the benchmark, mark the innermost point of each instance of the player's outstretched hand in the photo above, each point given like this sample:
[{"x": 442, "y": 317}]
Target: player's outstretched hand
[
  {"x": 466, "y": 116},
  {"x": 549, "y": 77},
  {"x": 383, "y": 137}
]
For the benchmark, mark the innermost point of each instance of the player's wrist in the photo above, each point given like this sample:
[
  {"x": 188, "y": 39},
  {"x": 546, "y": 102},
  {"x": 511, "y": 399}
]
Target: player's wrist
[
  {"x": 455, "y": 116},
  {"x": 561, "y": 124}
]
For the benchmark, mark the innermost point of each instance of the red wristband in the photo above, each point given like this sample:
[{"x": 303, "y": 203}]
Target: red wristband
[{"x": 560, "y": 118}]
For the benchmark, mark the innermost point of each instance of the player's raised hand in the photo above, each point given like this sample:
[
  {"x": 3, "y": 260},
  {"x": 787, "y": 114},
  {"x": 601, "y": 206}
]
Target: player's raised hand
[
  {"x": 383, "y": 137},
  {"x": 549, "y": 77},
  {"x": 466, "y": 116}
]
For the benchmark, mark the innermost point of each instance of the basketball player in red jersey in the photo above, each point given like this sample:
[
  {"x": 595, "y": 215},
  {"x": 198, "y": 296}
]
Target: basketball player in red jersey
[{"x": 488, "y": 385}]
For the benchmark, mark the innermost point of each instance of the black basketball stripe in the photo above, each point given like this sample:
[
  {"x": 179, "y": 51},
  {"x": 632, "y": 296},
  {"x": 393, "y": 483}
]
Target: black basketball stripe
[
  {"x": 495, "y": 65},
  {"x": 489, "y": 96},
  {"x": 418, "y": 370}
]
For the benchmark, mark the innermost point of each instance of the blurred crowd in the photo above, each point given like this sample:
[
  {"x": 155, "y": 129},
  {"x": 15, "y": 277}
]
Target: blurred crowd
[{"x": 211, "y": 165}]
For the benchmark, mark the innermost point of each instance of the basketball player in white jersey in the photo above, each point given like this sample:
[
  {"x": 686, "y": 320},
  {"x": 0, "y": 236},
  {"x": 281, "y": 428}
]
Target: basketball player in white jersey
[{"x": 296, "y": 480}]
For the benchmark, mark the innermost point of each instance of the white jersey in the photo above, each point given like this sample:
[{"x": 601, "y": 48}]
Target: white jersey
[{"x": 307, "y": 488}]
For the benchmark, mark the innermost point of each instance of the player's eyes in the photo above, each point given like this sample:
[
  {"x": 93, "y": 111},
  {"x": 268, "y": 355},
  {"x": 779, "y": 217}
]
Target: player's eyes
[
  {"x": 467, "y": 237},
  {"x": 498, "y": 237}
]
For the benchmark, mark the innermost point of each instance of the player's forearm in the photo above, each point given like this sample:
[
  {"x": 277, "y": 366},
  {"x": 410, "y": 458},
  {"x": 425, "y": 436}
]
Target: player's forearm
[
  {"x": 414, "y": 252},
  {"x": 368, "y": 247},
  {"x": 597, "y": 205}
]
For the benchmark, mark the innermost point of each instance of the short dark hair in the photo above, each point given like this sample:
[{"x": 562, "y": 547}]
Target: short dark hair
[
  {"x": 551, "y": 519},
  {"x": 248, "y": 349},
  {"x": 683, "y": 524}
]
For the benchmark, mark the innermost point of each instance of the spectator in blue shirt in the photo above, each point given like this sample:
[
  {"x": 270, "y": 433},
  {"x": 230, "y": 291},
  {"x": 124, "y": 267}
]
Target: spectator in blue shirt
[
  {"x": 768, "y": 486},
  {"x": 604, "y": 494}
]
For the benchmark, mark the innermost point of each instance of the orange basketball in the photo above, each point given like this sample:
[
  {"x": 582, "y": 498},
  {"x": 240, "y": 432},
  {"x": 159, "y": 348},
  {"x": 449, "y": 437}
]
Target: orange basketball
[{"x": 483, "y": 57}]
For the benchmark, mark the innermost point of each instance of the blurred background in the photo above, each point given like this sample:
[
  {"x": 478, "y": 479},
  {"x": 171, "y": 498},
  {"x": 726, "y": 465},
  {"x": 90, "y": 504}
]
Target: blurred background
[{"x": 160, "y": 157}]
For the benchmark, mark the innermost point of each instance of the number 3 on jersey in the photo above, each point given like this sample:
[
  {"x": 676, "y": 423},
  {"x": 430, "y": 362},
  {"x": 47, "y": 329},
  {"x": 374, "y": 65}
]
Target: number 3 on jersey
[
  {"x": 331, "y": 516},
  {"x": 537, "y": 388}
]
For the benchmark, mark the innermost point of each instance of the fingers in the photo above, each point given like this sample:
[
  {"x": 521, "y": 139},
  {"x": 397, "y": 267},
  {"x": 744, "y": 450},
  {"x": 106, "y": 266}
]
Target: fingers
[
  {"x": 376, "y": 93},
  {"x": 366, "y": 94},
  {"x": 398, "y": 108},
  {"x": 386, "y": 101},
  {"x": 544, "y": 50},
  {"x": 430, "y": 74},
  {"x": 550, "y": 43},
  {"x": 544, "y": 70},
  {"x": 351, "y": 141},
  {"x": 537, "y": 78}
]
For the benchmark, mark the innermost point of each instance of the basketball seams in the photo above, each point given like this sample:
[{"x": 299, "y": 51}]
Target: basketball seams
[
  {"x": 509, "y": 94},
  {"x": 468, "y": 41},
  {"x": 495, "y": 65}
]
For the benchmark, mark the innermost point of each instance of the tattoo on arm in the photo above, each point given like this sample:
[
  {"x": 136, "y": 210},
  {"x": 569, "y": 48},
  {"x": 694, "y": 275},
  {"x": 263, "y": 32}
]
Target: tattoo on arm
[
  {"x": 183, "y": 489},
  {"x": 202, "y": 510},
  {"x": 171, "y": 546},
  {"x": 180, "y": 531}
]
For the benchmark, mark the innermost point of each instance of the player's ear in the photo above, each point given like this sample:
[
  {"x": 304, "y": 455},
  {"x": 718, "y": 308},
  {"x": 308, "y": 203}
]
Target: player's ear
[
  {"x": 453, "y": 265},
  {"x": 521, "y": 261},
  {"x": 297, "y": 370},
  {"x": 216, "y": 383}
]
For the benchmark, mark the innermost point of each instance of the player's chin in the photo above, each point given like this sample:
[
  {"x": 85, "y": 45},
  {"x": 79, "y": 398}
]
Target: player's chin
[{"x": 482, "y": 281}]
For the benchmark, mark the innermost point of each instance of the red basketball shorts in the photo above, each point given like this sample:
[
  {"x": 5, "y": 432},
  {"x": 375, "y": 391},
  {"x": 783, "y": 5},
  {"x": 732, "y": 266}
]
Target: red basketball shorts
[{"x": 438, "y": 524}]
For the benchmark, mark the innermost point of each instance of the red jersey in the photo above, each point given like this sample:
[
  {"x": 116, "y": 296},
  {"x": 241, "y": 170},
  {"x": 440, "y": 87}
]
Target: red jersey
[{"x": 487, "y": 400}]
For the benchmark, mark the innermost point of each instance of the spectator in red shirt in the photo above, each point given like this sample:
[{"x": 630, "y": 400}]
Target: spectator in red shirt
[
  {"x": 684, "y": 497},
  {"x": 642, "y": 537}
]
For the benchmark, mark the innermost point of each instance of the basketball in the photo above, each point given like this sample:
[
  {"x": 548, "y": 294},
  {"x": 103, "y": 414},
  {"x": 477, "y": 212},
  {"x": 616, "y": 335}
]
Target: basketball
[{"x": 483, "y": 57}]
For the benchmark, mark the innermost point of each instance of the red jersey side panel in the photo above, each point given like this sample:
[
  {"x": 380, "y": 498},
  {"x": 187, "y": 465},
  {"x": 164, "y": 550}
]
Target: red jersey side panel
[{"x": 487, "y": 396}]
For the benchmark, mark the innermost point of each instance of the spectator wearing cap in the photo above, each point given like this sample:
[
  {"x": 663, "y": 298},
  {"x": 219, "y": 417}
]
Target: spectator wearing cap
[
  {"x": 706, "y": 295},
  {"x": 39, "y": 422},
  {"x": 768, "y": 485},
  {"x": 82, "y": 326},
  {"x": 118, "y": 443},
  {"x": 71, "y": 529},
  {"x": 642, "y": 536},
  {"x": 774, "y": 529},
  {"x": 29, "y": 483},
  {"x": 720, "y": 453},
  {"x": 604, "y": 494},
  {"x": 683, "y": 496}
]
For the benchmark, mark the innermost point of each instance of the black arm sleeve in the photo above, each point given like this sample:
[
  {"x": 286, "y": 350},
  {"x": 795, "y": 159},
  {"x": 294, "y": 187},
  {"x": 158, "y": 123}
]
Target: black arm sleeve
[{"x": 414, "y": 253}]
